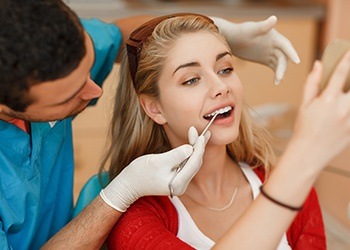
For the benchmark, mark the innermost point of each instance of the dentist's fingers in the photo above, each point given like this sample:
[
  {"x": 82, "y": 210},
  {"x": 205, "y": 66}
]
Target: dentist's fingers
[
  {"x": 171, "y": 159},
  {"x": 192, "y": 135},
  {"x": 282, "y": 63},
  {"x": 207, "y": 136},
  {"x": 266, "y": 25},
  {"x": 191, "y": 167},
  {"x": 286, "y": 46}
]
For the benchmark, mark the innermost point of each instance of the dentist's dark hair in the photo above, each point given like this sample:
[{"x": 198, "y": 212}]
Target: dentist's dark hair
[{"x": 40, "y": 40}]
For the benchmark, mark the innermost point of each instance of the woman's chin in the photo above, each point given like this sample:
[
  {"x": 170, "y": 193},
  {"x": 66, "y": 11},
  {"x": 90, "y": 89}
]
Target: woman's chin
[{"x": 222, "y": 139}]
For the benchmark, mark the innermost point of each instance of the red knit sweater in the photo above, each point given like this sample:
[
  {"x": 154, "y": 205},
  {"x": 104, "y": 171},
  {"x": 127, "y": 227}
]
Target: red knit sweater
[{"x": 152, "y": 223}]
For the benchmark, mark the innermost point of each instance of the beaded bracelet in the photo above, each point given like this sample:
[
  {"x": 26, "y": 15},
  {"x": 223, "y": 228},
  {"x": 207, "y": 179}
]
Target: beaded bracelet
[{"x": 278, "y": 202}]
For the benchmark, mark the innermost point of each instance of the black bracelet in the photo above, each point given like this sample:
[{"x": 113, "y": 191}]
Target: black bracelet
[{"x": 278, "y": 202}]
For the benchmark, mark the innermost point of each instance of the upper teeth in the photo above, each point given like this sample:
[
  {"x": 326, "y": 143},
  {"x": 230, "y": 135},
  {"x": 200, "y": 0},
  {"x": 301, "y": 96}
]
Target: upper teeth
[{"x": 220, "y": 111}]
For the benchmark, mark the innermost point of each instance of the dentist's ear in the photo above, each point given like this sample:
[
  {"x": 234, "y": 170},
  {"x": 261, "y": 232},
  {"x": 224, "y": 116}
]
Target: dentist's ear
[
  {"x": 2, "y": 108},
  {"x": 6, "y": 113},
  {"x": 152, "y": 109}
]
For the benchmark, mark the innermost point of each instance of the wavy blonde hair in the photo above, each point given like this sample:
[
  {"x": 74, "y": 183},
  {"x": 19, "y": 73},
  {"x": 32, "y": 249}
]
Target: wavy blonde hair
[{"x": 133, "y": 133}]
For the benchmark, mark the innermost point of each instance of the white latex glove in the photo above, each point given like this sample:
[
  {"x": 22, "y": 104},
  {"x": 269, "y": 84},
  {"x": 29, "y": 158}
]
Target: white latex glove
[
  {"x": 259, "y": 42},
  {"x": 151, "y": 174}
]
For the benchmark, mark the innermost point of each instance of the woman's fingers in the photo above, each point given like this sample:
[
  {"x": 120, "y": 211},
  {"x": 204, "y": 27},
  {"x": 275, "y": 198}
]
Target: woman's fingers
[{"x": 312, "y": 85}]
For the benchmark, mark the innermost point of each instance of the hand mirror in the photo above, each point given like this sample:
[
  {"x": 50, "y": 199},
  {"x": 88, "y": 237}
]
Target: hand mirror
[{"x": 331, "y": 57}]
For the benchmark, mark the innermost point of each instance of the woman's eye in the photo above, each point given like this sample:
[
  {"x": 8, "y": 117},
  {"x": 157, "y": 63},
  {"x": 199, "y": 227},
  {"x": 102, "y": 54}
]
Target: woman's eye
[
  {"x": 226, "y": 71},
  {"x": 191, "y": 81}
]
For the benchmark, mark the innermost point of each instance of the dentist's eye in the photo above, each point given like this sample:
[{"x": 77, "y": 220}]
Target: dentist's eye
[
  {"x": 227, "y": 71},
  {"x": 191, "y": 81}
]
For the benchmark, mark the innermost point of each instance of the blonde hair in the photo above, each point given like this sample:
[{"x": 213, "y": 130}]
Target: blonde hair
[{"x": 133, "y": 133}]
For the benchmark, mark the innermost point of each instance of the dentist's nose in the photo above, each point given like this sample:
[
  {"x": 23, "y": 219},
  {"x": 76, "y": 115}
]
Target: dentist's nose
[{"x": 90, "y": 91}]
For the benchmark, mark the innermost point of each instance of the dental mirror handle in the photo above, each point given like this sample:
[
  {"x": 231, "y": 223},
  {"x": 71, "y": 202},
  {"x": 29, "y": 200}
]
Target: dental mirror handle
[{"x": 211, "y": 121}]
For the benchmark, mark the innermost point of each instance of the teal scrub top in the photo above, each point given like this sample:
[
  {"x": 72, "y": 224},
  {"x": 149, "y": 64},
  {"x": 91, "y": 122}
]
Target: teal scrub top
[{"x": 36, "y": 170}]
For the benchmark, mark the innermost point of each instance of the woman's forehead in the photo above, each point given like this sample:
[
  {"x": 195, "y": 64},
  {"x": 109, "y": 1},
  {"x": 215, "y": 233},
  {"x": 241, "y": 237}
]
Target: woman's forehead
[{"x": 193, "y": 46}]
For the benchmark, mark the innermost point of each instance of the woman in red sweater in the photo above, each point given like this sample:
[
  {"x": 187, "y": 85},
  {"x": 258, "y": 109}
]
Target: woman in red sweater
[{"x": 177, "y": 74}]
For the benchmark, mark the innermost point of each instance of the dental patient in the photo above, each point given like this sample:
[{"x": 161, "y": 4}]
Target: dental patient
[{"x": 177, "y": 76}]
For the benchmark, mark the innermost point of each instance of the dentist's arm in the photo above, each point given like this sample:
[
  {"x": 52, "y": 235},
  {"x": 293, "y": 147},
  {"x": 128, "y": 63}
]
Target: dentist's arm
[{"x": 146, "y": 175}]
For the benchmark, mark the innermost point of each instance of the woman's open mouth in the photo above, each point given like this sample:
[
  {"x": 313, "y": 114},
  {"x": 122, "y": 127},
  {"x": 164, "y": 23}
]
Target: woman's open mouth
[{"x": 222, "y": 113}]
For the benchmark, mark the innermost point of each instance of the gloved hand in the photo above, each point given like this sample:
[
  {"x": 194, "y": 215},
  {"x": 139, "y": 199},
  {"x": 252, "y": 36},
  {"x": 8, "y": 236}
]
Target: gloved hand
[
  {"x": 259, "y": 42},
  {"x": 151, "y": 174}
]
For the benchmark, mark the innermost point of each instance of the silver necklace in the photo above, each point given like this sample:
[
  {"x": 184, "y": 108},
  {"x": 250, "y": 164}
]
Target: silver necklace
[
  {"x": 221, "y": 209},
  {"x": 235, "y": 191},
  {"x": 228, "y": 205}
]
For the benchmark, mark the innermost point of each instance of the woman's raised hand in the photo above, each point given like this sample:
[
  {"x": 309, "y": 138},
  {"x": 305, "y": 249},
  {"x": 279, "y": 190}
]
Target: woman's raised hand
[{"x": 322, "y": 127}]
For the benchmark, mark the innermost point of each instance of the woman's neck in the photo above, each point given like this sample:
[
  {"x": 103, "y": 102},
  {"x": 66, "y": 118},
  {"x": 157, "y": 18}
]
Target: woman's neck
[{"x": 217, "y": 169}]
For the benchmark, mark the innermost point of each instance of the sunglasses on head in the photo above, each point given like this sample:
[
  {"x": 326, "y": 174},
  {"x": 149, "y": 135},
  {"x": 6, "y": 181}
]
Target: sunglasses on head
[{"x": 138, "y": 36}]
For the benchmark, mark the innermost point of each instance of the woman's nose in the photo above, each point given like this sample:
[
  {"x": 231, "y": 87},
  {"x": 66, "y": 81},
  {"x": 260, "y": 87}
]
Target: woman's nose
[
  {"x": 217, "y": 86},
  {"x": 91, "y": 91}
]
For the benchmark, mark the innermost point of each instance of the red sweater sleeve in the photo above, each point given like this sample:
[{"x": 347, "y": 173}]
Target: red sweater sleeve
[
  {"x": 307, "y": 229},
  {"x": 149, "y": 223}
]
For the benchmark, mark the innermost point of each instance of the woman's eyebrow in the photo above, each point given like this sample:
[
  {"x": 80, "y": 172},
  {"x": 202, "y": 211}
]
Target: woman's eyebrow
[
  {"x": 191, "y": 64},
  {"x": 196, "y": 64},
  {"x": 221, "y": 55}
]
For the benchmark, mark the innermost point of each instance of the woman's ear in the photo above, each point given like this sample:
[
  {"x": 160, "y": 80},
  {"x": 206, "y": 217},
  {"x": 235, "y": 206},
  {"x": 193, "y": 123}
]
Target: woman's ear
[{"x": 152, "y": 109}]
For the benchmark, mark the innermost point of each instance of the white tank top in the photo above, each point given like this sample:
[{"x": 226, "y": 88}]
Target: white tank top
[{"x": 190, "y": 233}]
